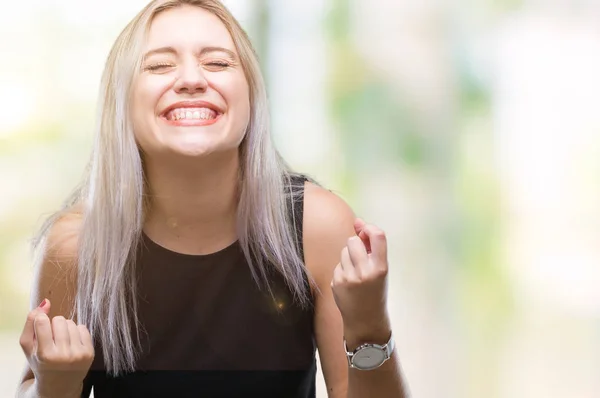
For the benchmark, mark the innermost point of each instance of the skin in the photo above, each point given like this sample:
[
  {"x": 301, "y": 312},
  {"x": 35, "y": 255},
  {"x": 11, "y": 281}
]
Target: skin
[
  {"x": 192, "y": 171},
  {"x": 57, "y": 361},
  {"x": 349, "y": 262}
]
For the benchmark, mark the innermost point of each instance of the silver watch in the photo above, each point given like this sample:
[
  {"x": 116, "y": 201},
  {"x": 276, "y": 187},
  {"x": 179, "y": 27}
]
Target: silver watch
[{"x": 369, "y": 356}]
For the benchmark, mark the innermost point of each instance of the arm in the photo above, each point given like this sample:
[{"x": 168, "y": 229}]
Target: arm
[
  {"x": 55, "y": 281},
  {"x": 329, "y": 224}
]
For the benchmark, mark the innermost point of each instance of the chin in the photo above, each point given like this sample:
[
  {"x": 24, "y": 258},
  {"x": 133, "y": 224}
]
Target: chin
[
  {"x": 202, "y": 149},
  {"x": 191, "y": 143},
  {"x": 194, "y": 151}
]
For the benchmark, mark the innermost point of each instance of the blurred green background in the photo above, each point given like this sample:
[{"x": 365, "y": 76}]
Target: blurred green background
[{"x": 467, "y": 130}]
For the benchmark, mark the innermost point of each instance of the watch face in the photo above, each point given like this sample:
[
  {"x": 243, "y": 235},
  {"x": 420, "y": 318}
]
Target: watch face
[{"x": 368, "y": 358}]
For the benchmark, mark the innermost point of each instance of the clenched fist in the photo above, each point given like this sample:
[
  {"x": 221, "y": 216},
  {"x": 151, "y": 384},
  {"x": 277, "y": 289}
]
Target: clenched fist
[
  {"x": 360, "y": 281},
  {"x": 59, "y": 352}
]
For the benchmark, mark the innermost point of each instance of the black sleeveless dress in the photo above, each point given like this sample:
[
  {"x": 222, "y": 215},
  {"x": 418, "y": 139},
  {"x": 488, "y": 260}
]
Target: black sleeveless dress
[{"x": 209, "y": 331}]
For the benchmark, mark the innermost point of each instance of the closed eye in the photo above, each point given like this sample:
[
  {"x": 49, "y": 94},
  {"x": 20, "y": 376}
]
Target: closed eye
[
  {"x": 218, "y": 64},
  {"x": 157, "y": 67}
]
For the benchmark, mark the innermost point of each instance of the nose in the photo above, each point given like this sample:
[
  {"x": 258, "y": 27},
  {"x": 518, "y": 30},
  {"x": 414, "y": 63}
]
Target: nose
[{"x": 191, "y": 79}]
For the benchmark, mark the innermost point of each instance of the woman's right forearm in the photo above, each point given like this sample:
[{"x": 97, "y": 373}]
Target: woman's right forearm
[{"x": 31, "y": 389}]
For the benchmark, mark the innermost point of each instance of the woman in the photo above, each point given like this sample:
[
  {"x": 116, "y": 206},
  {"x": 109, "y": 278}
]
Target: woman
[{"x": 192, "y": 261}]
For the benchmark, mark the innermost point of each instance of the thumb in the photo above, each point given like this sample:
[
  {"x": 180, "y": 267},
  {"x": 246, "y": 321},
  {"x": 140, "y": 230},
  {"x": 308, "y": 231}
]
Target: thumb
[
  {"x": 45, "y": 306},
  {"x": 28, "y": 334},
  {"x": 359, "y": 226}
]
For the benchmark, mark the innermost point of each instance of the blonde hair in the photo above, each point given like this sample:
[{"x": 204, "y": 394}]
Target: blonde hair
[{"x": 113, "y": 192}]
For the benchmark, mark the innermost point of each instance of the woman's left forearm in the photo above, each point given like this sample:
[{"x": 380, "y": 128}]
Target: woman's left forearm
[{"x": 385, "y": 381}]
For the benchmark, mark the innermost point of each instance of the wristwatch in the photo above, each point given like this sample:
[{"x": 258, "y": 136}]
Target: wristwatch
[{"x": 369, "y": 356}]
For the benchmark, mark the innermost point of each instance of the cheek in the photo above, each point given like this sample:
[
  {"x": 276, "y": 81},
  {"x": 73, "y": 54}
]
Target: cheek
[
  {"x": 240, "y": 96},
  {"x": 138, "y": 103},
  {"x": 145, "y": 96}
]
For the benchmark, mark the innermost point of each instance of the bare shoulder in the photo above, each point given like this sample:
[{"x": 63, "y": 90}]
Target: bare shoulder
[
  {"x": 328, "y": 223},
  {"x": 56, "y": 264},
  {"x": 61, "y": 242},
  {"x": 55, "y": 276},
  {"x": 319, "y": 203}
]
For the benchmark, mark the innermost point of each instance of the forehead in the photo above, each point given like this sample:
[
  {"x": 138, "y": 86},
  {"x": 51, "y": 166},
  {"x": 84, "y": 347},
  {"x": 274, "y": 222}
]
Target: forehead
[{"x": 186, "y": 27}]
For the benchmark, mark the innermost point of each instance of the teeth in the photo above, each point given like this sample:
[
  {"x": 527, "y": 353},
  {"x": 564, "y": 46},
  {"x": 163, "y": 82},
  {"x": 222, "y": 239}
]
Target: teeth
[{"x": 192, "y": 114}]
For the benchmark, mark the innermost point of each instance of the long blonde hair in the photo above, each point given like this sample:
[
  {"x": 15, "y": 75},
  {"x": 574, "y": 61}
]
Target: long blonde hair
[{"x": 113, "y": 191}]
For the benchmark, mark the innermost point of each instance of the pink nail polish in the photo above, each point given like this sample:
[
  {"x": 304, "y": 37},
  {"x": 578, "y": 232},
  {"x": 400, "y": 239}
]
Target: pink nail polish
[{"x": 43, "y": 303}]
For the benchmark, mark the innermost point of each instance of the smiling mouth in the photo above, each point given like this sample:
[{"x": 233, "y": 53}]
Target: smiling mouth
[
  {"x": 185, "y": 116},
  {"x": 191, "y": 114}
]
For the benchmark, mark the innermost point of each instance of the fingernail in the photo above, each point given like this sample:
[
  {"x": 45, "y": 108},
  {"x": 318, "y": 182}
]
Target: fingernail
[{"x": 43, "y": 303}]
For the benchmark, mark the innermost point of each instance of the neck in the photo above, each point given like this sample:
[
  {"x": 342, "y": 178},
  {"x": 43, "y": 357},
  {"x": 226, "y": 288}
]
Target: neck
[{"x": 193, "y": 204}]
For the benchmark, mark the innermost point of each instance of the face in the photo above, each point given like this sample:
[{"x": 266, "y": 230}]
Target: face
[{"x": 191, "y": 97}]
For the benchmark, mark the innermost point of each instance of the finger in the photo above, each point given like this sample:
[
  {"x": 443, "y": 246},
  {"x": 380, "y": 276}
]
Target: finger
[
  {"x": 28, "y": 334},
  {"x": 366, "y": 242},
  {"x": 60, "y": 331},
  {"x": 359, "y": 226},
  {"x": 85, "y": 336},
  {"x": 339, "y": 277},
  {"x": 44, "y": 308},
  {"x": 74, "y": 338},
  {"x": 358, "y": 253},
  {"x": 347, "y": 265},
  {"x": 43, "y": 333},
  {"x": 378, "y": 242}
]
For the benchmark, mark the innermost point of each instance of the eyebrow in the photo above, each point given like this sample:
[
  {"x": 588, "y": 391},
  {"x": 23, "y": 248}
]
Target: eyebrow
[{"x": 205, "y": 50}]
